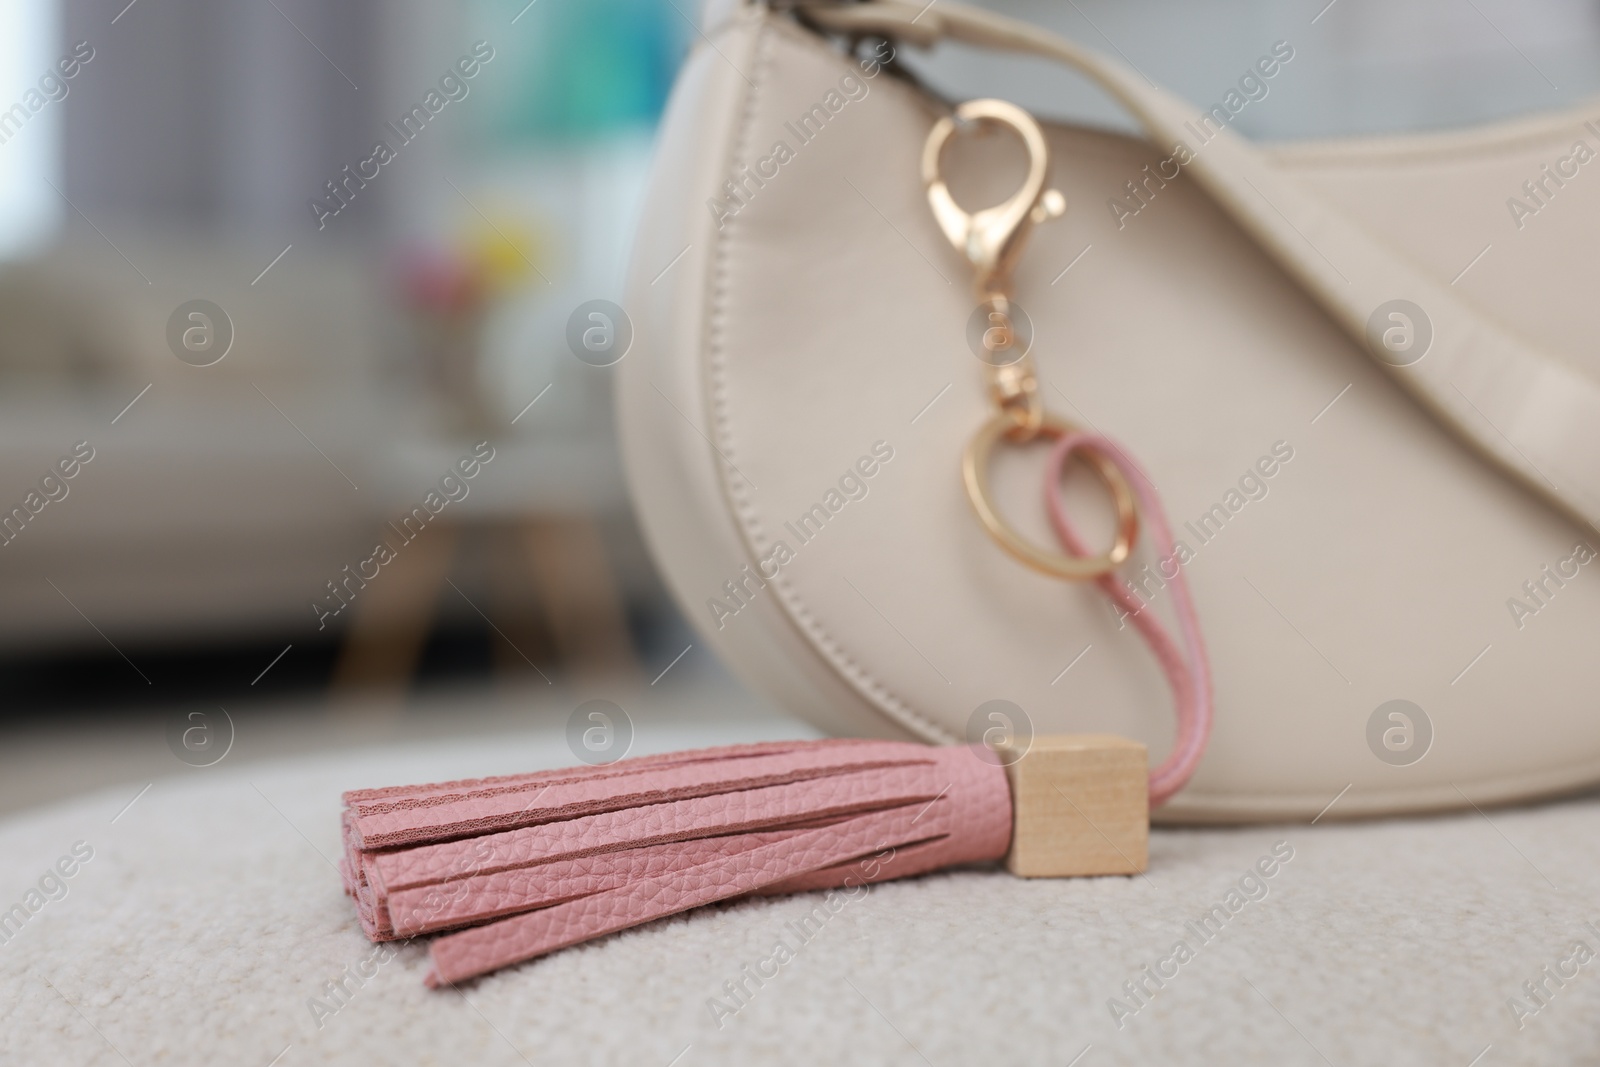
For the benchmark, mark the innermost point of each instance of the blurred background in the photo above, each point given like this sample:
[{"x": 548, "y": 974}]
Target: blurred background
[{"x": 297, "y": 278}]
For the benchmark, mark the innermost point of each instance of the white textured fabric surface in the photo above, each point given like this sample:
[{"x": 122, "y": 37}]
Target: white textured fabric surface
[{"x": 206, "y": 922}]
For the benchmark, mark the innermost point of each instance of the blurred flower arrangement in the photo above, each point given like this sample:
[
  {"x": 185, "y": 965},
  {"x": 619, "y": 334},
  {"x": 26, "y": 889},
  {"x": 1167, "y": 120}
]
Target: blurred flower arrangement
[
  {"x": 554, "y": 132},
  {"x": 450, "y": 289}
]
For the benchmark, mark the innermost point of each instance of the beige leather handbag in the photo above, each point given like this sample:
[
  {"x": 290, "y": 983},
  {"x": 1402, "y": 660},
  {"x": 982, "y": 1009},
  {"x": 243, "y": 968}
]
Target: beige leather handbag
[{"x": 1362, "y": 374}]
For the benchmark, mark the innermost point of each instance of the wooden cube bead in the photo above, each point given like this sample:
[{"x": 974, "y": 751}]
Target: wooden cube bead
[{"x": 1081, "y": 806}]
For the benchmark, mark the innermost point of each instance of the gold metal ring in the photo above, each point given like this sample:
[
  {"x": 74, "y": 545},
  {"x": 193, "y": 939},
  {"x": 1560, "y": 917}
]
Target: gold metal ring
[{"x": 975, "y": 474}]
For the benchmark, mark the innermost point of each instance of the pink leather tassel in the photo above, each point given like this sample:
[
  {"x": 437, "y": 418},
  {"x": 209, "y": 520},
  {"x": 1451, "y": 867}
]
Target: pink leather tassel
[
  {"x": 534, "y": 863},
  {"x": 508, "y": 869}
]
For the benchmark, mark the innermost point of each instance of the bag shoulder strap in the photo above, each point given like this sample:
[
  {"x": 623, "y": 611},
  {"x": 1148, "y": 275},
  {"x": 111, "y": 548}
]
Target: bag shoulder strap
[{"x": 1527, "y": 411}]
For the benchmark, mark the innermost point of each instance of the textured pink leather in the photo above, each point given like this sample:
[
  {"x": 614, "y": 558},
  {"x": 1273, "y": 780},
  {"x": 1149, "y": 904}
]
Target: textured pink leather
[
  {"x": 460, "y": 813},
  {"x": 677, "y": 820},
  {"x": 480, "y": 898},
  {"x": 1191, "y": 679},
  {"x": 476, "y": 951},
  {"x": 589, "y": 851}
]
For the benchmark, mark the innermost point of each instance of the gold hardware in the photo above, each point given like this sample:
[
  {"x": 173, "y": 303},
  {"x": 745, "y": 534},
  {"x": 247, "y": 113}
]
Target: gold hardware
[
  {"x": 992, "y": 239},
  {"x": 975, "y": 475},
  {"x": 1014, "y": 383}
]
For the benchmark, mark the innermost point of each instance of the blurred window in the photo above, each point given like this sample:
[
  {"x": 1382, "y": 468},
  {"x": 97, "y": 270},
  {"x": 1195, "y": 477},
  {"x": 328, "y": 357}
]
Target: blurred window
[{"x": 29, "y": 208}]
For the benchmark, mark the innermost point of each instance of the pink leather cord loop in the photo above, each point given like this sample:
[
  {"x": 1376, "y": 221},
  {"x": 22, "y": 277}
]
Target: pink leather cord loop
[{"x": 1190, "y": 679}]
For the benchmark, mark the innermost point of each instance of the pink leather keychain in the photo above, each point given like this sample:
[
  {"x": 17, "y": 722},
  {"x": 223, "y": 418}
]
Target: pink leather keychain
[
  {"x": 523, "y": 865},
  {"x": 508, "y": 869}
]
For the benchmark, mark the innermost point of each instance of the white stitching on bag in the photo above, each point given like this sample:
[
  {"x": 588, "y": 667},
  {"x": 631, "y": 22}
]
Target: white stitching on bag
[{"x": 736, "y": 492}]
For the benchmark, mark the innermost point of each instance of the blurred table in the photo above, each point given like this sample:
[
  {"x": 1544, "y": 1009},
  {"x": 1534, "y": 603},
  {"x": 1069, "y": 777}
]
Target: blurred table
[{"x": 533, "y": 512}]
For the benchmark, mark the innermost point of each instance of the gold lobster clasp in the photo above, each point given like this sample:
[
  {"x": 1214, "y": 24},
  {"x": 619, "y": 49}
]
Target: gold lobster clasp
[{"x": 992, "y": 239}]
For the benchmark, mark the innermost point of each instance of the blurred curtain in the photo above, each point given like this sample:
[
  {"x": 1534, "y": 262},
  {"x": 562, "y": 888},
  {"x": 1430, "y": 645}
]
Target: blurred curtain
[{"x": 219, "y": 113}]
